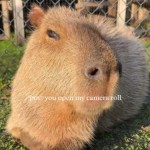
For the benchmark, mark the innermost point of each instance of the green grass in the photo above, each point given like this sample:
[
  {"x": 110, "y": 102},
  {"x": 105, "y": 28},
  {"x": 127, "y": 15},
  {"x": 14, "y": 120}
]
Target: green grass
[
  {"x": 10, "y": 55},
  {"x": 147, "y": 44},
  {"x": 133, "y": 134}
]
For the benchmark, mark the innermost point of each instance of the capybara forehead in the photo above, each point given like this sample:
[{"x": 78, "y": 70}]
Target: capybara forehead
[
  {"x": 79, "y": 34},
  {"x": 71, "y": 20},
  {"x": 67, "y": 22}
]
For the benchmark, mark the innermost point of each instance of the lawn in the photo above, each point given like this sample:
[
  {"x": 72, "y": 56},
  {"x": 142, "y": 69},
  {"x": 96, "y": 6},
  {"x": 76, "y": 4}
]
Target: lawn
[
  {"x": 133, "y": 134},
  {"x": 147, "y": 44}
]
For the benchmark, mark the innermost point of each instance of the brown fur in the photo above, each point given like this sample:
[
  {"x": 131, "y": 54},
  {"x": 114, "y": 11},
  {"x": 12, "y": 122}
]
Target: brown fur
[{"x": 53, "y": 67}]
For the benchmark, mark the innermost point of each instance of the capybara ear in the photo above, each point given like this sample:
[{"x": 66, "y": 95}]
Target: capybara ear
[{"x": 36, "y": 15}]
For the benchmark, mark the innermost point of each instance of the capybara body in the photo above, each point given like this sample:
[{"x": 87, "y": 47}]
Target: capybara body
[{"x": 69, "y": 55}]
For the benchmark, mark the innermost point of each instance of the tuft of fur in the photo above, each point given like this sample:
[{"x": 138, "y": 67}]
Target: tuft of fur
[{"x": 56, "y": 67}]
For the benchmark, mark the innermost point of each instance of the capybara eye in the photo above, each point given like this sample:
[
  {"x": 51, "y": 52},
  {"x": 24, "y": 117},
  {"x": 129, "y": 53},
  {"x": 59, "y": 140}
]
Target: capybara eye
[{"x": 53, "y": 34}]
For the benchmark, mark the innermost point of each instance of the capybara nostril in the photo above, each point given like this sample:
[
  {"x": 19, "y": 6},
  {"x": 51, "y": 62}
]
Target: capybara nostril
[{"x": 92, "y": 72}]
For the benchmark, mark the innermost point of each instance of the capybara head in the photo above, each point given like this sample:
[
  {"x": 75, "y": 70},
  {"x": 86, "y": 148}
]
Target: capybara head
[{"x": 70, "y": 58}]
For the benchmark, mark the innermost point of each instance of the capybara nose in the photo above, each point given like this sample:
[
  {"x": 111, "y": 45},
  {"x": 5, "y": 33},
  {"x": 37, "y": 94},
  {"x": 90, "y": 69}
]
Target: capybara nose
[{"x": 92, "y": 73}]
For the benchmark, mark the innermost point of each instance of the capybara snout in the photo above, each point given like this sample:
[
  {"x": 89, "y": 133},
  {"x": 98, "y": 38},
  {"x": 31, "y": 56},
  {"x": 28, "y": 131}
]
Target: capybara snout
[{"x": 72, "y": 66}]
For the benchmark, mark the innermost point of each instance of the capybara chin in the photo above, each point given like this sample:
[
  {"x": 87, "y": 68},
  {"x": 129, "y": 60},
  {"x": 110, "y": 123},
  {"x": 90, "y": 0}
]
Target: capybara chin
[{"x": 70, "y": 56}]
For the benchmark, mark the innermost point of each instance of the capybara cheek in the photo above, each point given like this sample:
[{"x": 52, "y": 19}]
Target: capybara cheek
[
  {"x": 112, "y": 84},
  {"x": 97, "y": 102}
]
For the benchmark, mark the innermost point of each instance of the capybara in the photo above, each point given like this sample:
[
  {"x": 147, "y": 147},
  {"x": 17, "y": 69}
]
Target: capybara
[{"x": 69, "y": 56}]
